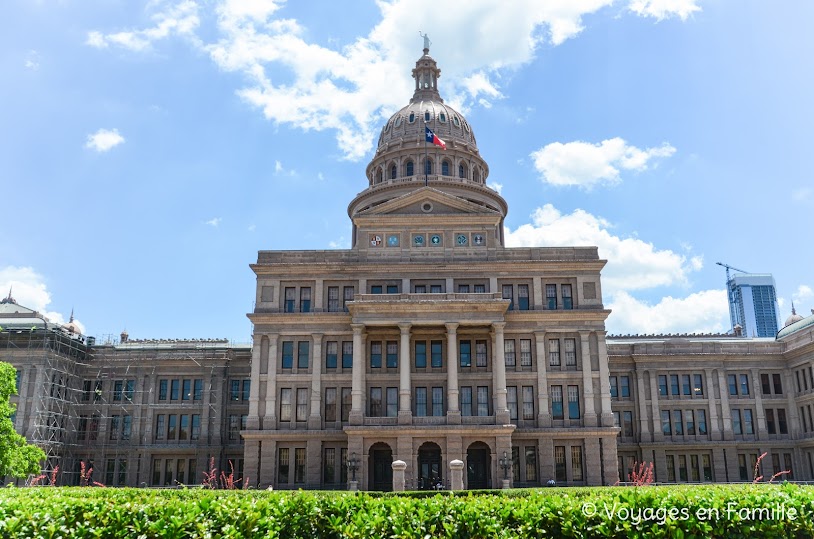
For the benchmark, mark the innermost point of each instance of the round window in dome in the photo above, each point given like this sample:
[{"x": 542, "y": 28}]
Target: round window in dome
[
  {"x": 397, "y": 122},
  {"x": 443, "y": 118},
  {"x": 466, "y": 126},
  {"x": 456, "y": 122},
  {"x": 411, "y": 119}
]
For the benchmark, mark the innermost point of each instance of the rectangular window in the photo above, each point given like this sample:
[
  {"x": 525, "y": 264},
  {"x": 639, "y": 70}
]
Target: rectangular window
[
  {"x": 421, "y": 401},
  {"x": 420, "y": 289},
  {"x": 234, "y": 427},
  {"x": 614, "y": 387},
  {"x": 567, "y": 300},
  {"x": 436, "y": 350},
  {"x": 732, "y": 383},
  {"x": 770, "y": 426},
  {"x": 559, "y": 464},
  {"x": 375, "y": 402},
  {"x": 392, "y": 354},
  {"x": 114, "y": 427},
  {"x": 483, "y": 401},
  {"x": 682, "y": 468},
  {"x": 283, "y": 463},
  {"x": 765, "y": 384},
  {"x": 627, "y": 424},
  {"x": 674, "y": 385},
  {"x": 678, "y": 423},
  {"x": 347, "y": 354},
  {"x": 463, "y": 289},
  {"x": 172, "y": 426},
  {"x": 329, "y": 466},
  {"x": 796, "y": 374},
  {"x": 554, "y": 352},
  {"x": 420, "y": 354},
  {"x": 376, "y": 355},
  {"x": 299, "y": 465},
  {"x": 247, "y": 390},
  {"x": 576, "y": 463},
  {"x": 528, "y": 402},
  {"x": 87, "y": 384},
  {"x": 180, "y": 469},
  {"x": 662, "y": 385},
  {"x": 305, "y": 299},
  {"x": 186, "y": 390},
  {"x": 515, "y": 464},
  {"x": 508, "y": 352},
  {"x": 689, "y": 417},
  {"x": 570, "y": 352},
  {"x": 479, "y": 289},
  {"x": 508, "y": 293},
  {"x": 288, "y": 355},
  {"x": 573, "y": 402},
  {"x": 127, "y": 427},
  {"x": 466, "y": 401},
  {"x": 625, "y": 383},
  {"x": 671, "y": 469},
  {"x": 159, "y": 426},
  {"x": 525, "y": 352},
  {"x": 666, "y": 426},
  {"x": 737, "y": 427},
  {"x": 93, "y": 427},
  {"x": 333, "y": 299},
  {"x": 465, "y": 353},
  {"x": 435, "y": 289},
  {"x": 234, "y": 390},
  {"x": 392, "y": 289},
  {"x": 480, "y": 353},
  {"x": 331, "y": 354},
  {"x": 196, "y": 429},
  {"x": 175, "y": 388},
  {"x": 551, "y": 296},
  {"x": 347, "y": 295},
  {"x": 685, "y": 385},
  {"x": 742, "y": 468},
  {"x": 290, "y": 299},
  {"x": 285, "y": 404},
  {"x": 438, "y": 401},
  {"x": 778, "y": 387},
  {"x": 110, "y": 471},
  {"x": 781, "y": 421},
  {"x": 511, "y": 401},
  {"x": 122, "y": 478},
  {"x": 197, "y": 391},
  {"x": 347, "y": 402},
  {"x": 82, "y": 432},
  {"x": 183, "y": 427},
  {"x": 392, "y": 401},
  {"x": 97, "y": 390},
  {"x": 744, "y": 384},
  {"x": 330, "y": 404},
  {"x": 531, "y": 464},
  {"x": 707, "y": 466},
  {"x": 698, "y": 385},
  {"x": 523, "y": 297},
  {"x": 747, "y": 422},
  {"x": 556, "y": 402},
  {"x": 118, "y": 389},
  {"x": 302, "y": 404},
  {"x": 302, "y": 354},
  {"x": 787, "y": 466}
]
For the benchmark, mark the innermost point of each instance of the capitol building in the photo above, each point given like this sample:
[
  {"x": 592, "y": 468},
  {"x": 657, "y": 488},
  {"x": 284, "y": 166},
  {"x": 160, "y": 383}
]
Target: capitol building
[{"x": 428, "y": 341}]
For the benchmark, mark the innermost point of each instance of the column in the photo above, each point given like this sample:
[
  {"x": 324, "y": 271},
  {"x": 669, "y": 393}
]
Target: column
[
  {"x": 315, "y": 417},
  {"x": 726, "y": 414},
  {"x": 587, "y": 379},
  {"x": 253, "y": 421},
  {"x": 537, "y": 289},
  {"x": 658, "y": 434},
  {"x": 405, "y": 407},
  {"x": 713, "y": 427},
  {"x": 760, "y": 428},
  {"x": 794, "y": 421},
  {"x": 499, "y": 378},
  {"x": 543, "y": 413},
  {"x": 644, "y": 424},
  {"x": 453, "y": 413},
  {"x": 604, "y": 379},
  {"x": 270, "y": 419},
  {"x": 358, "y": 376}
]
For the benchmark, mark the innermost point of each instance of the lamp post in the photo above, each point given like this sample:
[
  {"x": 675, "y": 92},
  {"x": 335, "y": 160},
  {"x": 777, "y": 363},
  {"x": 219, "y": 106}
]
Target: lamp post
[
  {"x": 505, "y": 464},
  {"x": 353, "y": 465}
]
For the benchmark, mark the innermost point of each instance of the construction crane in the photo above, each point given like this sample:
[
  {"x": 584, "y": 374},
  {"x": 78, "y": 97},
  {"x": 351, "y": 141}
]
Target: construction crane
[{"x": 728, "y": 267}]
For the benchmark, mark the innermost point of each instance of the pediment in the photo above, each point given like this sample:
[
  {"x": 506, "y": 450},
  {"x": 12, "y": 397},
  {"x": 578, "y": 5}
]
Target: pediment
[{"x": 427, "y": 200}]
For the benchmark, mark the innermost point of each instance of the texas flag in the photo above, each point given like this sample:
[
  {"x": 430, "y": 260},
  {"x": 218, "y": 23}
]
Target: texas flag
[{"x": 432, "y": 137}]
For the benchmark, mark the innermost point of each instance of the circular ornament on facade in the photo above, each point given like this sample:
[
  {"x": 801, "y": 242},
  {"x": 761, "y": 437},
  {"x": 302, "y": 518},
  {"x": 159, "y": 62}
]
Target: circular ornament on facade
[
  {"x": 435, "y": 239},
  {"x": 393, "y": 240},
  {"x": 478, "y": 239},
  {"x": 461, "y": 239},
  {"x": 426, "y": 207},
  {"x": 375, "y": 240},
  {"x": 418, "y": 240}
]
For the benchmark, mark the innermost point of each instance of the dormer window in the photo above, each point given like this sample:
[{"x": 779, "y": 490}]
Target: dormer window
[
  {"x": 411, "y": 119},
  {"x": 456, "y": 122},
  {"x": 443, "y": 118},
  {"x": 427, "y": 116},
  {"x": 398, "y": 121}
]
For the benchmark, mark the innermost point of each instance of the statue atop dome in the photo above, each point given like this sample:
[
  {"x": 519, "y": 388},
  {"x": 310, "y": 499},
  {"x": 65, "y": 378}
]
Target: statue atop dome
[{"x": 427, "y": 42}]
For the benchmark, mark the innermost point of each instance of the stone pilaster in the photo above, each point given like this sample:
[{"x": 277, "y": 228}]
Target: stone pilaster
[
  {"x": 315, "y": 417},
  {"x": 405, "y": 407},
  {"x": 358, "y": 376},
  {"x": 644, "y": 424},
  {"x": 270, "y": 418},
  {"x": 587, "y": 379},
  {"x": 543, "y": 412},
  {"x": 604, "y": 381},
  {"x": 760, "y": 430},
  {"x": 453, "y": 413},
  {"x": 658, "y": 434},
  {"x": 713, "y": 426},
  {"x": 499, "y": 378},
  {"x": 726, "y": 413},
  {"x": 253, "y": 421}
]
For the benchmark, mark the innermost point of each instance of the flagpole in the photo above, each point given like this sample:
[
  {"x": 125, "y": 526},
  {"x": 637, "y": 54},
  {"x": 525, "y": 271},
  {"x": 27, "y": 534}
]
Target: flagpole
[{"x": 426, "y": 179}]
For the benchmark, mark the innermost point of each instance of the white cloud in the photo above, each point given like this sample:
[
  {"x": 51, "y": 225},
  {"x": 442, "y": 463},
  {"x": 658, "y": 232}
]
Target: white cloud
[
  {"x": 664, "y": 9},
  {"x": 341, "y": 243},
  {"x": 496, "y": 186},
  {"x": 252, "y": 228},
  {"x": 633, "y": 265},
  {"x": 104, "y": 139},
  {"x": 700, "y": 312},
  {"x": 280, "y": 170},
  {"x": 32, "y": 60},
  {"x": 803, "y": 194},
  {"x": 585, "y": 165},
  {"x": 29, "y": 290},
  {"x": 180, "y": 19},
  {"x": 803, "y": 294},
  {"x": 320, "y": 177},
  {"x": 214, "y": 222}
]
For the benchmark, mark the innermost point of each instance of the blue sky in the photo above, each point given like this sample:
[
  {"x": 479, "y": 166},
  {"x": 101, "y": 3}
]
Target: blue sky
[{"x": 148, "y": 150}]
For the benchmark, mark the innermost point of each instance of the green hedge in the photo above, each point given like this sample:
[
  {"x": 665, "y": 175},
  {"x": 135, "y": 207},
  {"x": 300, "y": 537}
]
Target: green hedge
[{"x": 551, "y": 512}]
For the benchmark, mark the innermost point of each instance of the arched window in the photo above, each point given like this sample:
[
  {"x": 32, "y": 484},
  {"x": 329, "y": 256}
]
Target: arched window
[
  {"x": 477, "y": 176},
  {"x": 393, "y": 172},
  {"x": 461, "y": 171},
  {"x": 443, "y": 118},
  {"x": 411, "y": 119},
  {"x": 379, "y": 175},
  {"x": 455, "y": 121},
  {"x": 445, "y": 168},
  {"x": 427, "y": 116},
  {"x": 408, "y": 168},
  {"x": 428, "y": 166}
]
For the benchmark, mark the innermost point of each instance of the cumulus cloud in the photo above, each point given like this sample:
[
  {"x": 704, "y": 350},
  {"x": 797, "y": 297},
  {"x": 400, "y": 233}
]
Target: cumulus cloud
[
  {"x": 586, "y": 165},
  {"x": 104, "y": 139},
  {"x": 180, "y": 18},
  {"x": 804, "y": 294},
  {"x": 633, "y": 265},
  {"x": 341, "y": 243},
  {"x": 32, "y": 60},
  {"x": 664, "y": 9},
  {"x": 496, "y": 186},
  {"x": 803, "y": 194},
  {"x": 29, "y": 290},
  {"x": 214, "y": 222}
]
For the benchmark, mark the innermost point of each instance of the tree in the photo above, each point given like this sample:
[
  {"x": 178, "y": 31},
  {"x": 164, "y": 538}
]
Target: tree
[{"x": 18, "y": 458}]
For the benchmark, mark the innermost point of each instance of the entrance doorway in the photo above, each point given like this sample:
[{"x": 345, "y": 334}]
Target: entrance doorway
[
  {"x": 429, "y": 467},
  {"x": 478, "y": 466},
  {"x": 381, "y": 464}
]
